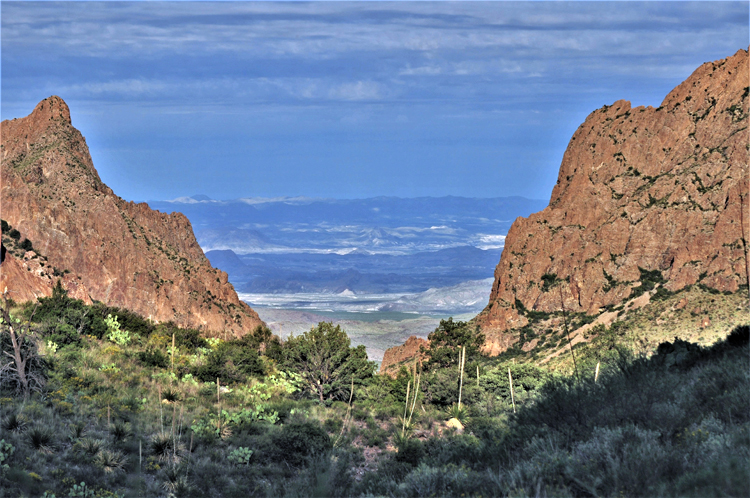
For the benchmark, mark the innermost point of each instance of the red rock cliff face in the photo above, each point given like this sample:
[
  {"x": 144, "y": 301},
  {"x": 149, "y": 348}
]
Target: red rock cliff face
[
  {"x": 125, "y": 254},
  {"x": 658, "y": 189},
  {"x": 395, "y": 356}
]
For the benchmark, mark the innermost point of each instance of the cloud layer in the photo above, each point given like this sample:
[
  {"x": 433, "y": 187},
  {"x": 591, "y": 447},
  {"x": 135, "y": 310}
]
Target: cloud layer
[{"x": 343, "y": 98}]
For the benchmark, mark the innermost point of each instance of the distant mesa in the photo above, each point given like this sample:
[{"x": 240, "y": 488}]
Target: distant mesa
[
  {"x": 639, "y": 190},
  {"x": 201, "y": 197},
  {"x": 106, "y": 249}
]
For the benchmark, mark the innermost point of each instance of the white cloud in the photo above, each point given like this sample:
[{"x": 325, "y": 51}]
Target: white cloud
[
  {"x": 490, "y": 241},
  {"x": 360, "y": 90}
]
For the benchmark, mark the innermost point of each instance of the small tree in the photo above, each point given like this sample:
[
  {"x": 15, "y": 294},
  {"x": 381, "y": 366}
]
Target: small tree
[
  {"x": 326, "y": 362},
  {"x": 448, "y": 339},
  {"x": 25, "y": 370}
]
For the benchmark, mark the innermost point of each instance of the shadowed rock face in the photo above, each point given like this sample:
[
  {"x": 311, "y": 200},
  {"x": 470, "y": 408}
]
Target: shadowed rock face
[
  {"x": 657, "y": 189},
  {"x": 125, "y": 254}
]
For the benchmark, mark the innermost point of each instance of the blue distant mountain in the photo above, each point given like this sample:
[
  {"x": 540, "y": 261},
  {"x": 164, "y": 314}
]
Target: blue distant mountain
[{"x": 376, "y": 245}]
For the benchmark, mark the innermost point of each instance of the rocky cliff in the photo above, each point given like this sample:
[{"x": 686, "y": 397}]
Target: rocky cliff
[
  {"x": 398, "y": 355},
  {"x": 640, "y": 190},
  {"x": 122, "y": 253}
]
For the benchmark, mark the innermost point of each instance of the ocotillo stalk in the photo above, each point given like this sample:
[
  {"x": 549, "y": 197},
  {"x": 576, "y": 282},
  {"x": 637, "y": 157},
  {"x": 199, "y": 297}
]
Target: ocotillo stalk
[
  {"x": 218, "y": 401},
  {"x": 596, "y": 375},
  {"x": 512, "y": 397},
  {"x": 477, "y": 376}
]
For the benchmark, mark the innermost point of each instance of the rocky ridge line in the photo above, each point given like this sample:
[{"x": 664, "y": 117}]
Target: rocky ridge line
[
  {"x": 639, "y": 190},
  {"x": 122, "y": 253}
]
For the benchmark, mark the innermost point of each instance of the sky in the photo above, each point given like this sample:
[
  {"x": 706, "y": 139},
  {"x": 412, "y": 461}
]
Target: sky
[{"x": 347, "y": 99}]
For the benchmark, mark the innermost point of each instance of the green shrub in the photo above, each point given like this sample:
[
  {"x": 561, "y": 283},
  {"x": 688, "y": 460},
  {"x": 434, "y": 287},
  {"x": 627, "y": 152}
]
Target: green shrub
[
  {"x": 446, "y": 340},
  {"x": 450, "y": 480},
  {"x": 410, "y": 451},
  {"x": 61, "y": 334},
  {"x": 232, "y": 361},
  {"x": 6, "y": 452},
  {"x": 240, "y": 456},
  {"x": 326, "y": 362},
  {"x": 153, "y": 358},
  {"x": 300, "y": 440}
]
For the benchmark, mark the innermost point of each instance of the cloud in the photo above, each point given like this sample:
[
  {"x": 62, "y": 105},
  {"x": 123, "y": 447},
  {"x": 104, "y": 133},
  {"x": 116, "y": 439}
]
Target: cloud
[
  {"x": 490, "y": 241},
  {"x": 360, "y": 90}
]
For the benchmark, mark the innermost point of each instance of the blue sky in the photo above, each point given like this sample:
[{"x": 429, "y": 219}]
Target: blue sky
[{"x": 347, "y": 99}]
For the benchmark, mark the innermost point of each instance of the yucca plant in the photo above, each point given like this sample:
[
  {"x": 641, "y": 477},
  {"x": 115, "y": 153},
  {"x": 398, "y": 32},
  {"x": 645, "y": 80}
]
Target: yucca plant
[
  {"x": 120, "y": 431},
  {"x": 77, "y": 431},
  {"x": 170, "y": 395},
  {"x": 14, "y": 422},
  {"x": 459, "y": 413},
  {"x": 162, "y": 446},
  {"x": 110, "y": 461},
  {"x": 88, "y": 445},
  {"x": 175, "y": 484},
  {"x": 407, "y": 426},
  {"x": 41, "y": 439}
]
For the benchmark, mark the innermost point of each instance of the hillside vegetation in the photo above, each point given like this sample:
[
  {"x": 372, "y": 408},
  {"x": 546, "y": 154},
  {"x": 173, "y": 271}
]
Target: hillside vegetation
[{"x": 115, "y": 405}]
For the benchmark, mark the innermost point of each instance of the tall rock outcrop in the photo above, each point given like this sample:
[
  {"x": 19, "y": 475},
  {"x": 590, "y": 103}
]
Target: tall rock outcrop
[
  {"x": 397, "y": 355},
  {"x": 125, "y": 254},
  {"x": 638, "y": 189}
]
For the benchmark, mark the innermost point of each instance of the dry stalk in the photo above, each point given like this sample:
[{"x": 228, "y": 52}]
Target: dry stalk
[
  {"x": 596, "y": 375},
  {"x": 173, "y": 351},
  {"x": 218, "y": 401},
  {"x": 406, "y": 407},
  {"x": 512, "y": 396},
  {"x": 462, "y": 363},
  {"x": 347, "y": 418},
  {"x": 567, "y": 332},
  {"x": 416, "y": 393},
  {"x": 161, "y": 410}
]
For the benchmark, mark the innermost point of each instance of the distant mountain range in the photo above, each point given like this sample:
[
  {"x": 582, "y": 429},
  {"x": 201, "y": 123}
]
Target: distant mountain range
[{"x": 377, "y": 245}]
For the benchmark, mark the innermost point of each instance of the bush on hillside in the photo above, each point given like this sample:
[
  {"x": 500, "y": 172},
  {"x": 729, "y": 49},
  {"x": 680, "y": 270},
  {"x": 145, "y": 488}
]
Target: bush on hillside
[
  {"x": 446, "y": 341},
  {"x": 327, "y": 363}
]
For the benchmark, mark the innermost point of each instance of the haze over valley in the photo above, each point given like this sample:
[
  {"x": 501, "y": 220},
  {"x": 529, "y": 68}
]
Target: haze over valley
[{"x": 386, "y": 266}]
